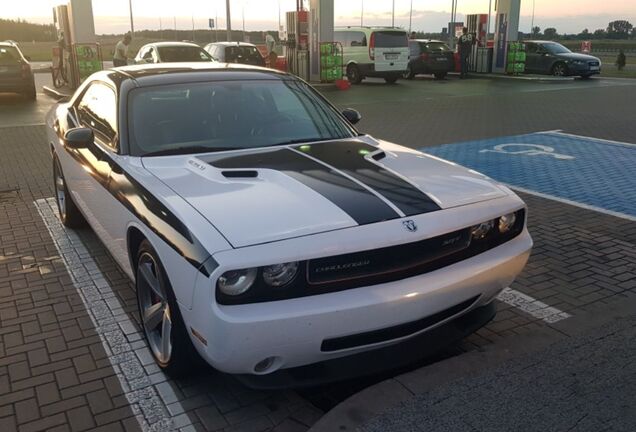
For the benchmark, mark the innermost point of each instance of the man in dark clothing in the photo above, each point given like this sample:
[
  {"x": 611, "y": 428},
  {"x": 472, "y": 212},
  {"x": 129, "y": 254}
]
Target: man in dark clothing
[
  {"x": 621, "y": 60},
  {"x": 465, "y": 45}
]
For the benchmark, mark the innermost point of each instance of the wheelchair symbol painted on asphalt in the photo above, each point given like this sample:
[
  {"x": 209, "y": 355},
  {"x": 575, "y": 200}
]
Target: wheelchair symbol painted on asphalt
[{"x": 527, "y": 150}]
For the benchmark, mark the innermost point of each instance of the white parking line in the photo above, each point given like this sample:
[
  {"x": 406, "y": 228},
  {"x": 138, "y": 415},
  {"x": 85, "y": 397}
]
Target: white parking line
[
  {"x": 142, "y": 381},
  {"x": 532, "y": 306}
]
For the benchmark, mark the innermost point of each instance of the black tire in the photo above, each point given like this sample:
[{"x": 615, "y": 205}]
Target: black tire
[
  {"x": 31, "y": 94},
  {"x": 586, "y": 77},
  {"x": 409, "y": 74},
  {"x": 391, "y": 79},
  {"x": 440, "y": 75},
  {"x": 353, "y": 74},
  {"x": 559, "y": 69},
  {"x": 182, "y": 359},
  {"x": 69, "y": 214}
]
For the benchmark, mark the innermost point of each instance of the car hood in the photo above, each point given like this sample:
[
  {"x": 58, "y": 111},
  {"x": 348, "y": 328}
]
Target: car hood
[
  {"x": 577, "y": 56},
  {"x": 265, "y": 195}
]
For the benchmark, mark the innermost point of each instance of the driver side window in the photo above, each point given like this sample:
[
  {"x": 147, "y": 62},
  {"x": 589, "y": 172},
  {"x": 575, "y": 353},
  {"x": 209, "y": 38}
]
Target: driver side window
[{"x": 97, "y": 110}]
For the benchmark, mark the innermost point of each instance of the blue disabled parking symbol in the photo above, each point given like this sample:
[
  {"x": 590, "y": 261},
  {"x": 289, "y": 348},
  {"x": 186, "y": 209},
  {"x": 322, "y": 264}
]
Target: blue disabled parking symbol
[{"x": 590, "y": 172}]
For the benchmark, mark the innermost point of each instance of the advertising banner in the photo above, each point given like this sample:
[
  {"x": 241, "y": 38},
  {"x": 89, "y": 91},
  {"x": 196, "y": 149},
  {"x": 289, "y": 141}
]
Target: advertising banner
[
  {"x": 87, "y": 59},
  {"x": 503, "y": 40}
]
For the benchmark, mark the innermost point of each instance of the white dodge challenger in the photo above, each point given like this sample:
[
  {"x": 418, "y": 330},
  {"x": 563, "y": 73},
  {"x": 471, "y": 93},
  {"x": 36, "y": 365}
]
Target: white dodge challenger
[{"x": 266, "y": 235}]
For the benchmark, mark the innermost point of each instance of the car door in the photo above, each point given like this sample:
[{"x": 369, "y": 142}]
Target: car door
[
  {"x": 532, "y": 57},
  {"x": 88, "y": 170}
]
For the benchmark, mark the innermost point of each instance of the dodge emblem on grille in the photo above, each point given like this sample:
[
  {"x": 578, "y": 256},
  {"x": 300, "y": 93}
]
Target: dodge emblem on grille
[{"x": 410, "y": 225}]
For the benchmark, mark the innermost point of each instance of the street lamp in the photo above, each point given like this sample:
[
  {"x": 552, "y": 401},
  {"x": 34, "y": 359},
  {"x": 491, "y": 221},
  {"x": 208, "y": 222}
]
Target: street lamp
[
  {"x": 393, "y": 15},
  {"x": 411, "y": 18},
  {"x": 132, "y": 26},
  {"x": 228, "y": 18}
]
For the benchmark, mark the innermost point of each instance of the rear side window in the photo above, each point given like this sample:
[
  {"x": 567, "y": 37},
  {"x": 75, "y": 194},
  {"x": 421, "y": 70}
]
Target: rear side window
[
  {"x": 351, "y": 38},
  {"x": 391, "y": 39},
  {"x": 234, "y": 53},
  {"x": 432, "y": 47},
  {"x": 9, "y": 56}
]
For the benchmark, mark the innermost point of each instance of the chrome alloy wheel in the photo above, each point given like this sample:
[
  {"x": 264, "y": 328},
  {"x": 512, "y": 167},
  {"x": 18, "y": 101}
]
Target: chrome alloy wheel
[
  {"x": 60, "y": 190},
  {"x": 154, "y": 307}
]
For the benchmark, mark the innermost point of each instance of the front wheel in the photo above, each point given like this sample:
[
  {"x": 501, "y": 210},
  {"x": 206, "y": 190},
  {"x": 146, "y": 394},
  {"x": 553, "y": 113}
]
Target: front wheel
[
  {"x": 560, "y": 69},
  {"x": 160, "y": 316},
  {"x": 68, "y": 211},
  {"x": 353, "y": 74},
  {"x": 391, "y": 79},
  {"x": 31, "y": 94}
]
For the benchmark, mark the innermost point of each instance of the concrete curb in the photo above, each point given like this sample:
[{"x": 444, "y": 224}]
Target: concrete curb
[
  {"x": 534, "y": 78},
  {"x": 360, "y": 408}
]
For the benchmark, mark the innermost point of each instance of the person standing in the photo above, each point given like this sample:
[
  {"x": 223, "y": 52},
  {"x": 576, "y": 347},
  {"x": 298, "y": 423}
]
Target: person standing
[
  {"x": 621, "y": 60},
  {"x": 270, "y": 42},
  {"x": 120, "y": 58},
  {"x": 465, "y": 45}
]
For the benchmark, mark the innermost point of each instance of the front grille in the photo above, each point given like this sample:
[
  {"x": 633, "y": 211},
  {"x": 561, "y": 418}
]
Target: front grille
[
  {"x": 594, "y": 63},
  {"x": 395, "y": 332}
]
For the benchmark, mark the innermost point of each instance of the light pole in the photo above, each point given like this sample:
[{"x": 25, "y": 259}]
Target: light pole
[
  {"x": 532, "y": 25},
  {"x": 228, "y": 18},
  {"x": 361, "y": 13},
  {"x": 132, "y": 25},
  {"x": 411, "y": 18},
  {"x": 393, "y": 15}
]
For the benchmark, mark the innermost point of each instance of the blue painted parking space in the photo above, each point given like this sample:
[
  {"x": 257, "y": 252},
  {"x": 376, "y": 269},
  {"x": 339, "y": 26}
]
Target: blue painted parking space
[{"x": 587, "y": 171}]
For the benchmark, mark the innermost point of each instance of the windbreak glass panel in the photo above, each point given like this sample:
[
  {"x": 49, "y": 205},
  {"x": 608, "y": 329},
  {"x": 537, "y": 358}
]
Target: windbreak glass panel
[
  {"x": 228, "y": 115},
  {"x": 556, "y": 48},
  {"x": 183, "y": 54},
  {"x": 242, "y": 54},
  {"x": 435, "y": 47},
  {"x": 9, "y": 56},
  {"x": 391, "y": 39}
]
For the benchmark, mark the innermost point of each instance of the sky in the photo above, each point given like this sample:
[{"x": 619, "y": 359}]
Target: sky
[{"x": 111, "y": 16}]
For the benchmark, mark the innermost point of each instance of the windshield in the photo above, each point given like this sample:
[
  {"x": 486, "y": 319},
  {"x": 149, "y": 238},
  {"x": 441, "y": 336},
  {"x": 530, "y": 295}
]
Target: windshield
[
  {"x": 556, "y": 48},
  {"x": 9, "y": 56},
  {"x": 391, "y": 39},
  {"x": 170, "y": 54},
  {"x": 229, "y": 115}
]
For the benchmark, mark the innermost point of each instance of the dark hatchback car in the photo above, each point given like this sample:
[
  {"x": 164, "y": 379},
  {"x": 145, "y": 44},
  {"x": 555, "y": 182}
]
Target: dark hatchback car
[
  {"x": 16, "y": 75},
  {"x": 235, "y": 52},
  {"x": 429, "y": 57},
  {"x": 552, "y": 58}
]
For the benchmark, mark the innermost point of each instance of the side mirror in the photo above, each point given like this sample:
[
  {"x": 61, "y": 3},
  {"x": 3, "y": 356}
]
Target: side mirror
[
  {"x": 352, "y": 115},
  {"x": 77, "y": 138}
]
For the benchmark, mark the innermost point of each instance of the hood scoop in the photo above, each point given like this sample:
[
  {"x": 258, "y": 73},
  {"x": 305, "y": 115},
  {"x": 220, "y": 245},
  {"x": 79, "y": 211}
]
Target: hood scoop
[{"x": 240, "y": 174}]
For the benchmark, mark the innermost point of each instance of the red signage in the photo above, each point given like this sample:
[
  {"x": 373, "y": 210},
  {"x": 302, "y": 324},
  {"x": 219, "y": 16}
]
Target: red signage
[{"x": 586, "y": 46}]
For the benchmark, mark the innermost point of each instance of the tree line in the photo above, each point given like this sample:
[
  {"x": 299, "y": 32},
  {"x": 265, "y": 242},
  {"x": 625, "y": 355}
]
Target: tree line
[
  {"x": 21, "y": 30},
  {"x": 617, "y": 30}
]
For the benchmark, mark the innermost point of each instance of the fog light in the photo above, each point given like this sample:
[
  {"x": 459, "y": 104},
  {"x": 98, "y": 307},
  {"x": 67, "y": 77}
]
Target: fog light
[
  {"x": 506, "y": 222},
  {"x": 480, "y": 231},
  {"x": 263, "y": 365}
]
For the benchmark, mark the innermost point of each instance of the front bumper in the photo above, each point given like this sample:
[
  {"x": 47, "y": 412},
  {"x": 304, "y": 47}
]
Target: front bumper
[
  {"x": 292, "y": 331},
  {"x": 582, "y": 69},
  {"x": 16, "y": 85}
]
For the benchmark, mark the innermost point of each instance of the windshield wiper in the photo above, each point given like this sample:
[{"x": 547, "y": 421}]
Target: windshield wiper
[{"x": 188, "y": 149}]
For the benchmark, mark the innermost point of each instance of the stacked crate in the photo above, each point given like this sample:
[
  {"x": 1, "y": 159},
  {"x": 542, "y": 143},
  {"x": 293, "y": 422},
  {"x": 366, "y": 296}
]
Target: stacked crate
[
  {"x": 330, "y": 61},
  {"x": 516, "y": 64}
]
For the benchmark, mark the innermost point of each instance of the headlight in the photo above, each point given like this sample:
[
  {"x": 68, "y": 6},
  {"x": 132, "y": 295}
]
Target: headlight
[
  {"x": 278, "y": 275},
  {"x": 480, "y": 231},
  {"x": 506, "y": 222},
  {"x": 236, "y": 282}
]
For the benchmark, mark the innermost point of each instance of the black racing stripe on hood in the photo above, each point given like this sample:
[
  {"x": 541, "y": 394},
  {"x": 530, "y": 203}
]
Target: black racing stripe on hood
[
  {"x": 363, "y": 206},
  {"x": 349, "y": 157}
]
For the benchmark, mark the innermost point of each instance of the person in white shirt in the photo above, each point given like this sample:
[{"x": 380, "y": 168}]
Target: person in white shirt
[
  {"x": 120, "y": 58},
  {"x": 270, "y": 42}
]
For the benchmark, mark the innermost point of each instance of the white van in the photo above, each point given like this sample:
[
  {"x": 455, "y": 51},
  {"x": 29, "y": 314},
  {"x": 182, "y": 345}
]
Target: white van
[{"x": 373, "y": 52}]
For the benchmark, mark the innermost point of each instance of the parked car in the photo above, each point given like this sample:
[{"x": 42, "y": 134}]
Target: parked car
[
  {"x": 552, "y": 58},
  {"x": 171, "y": 52},
  {"x": 235, "y": 52},
  {"x": 380, "y": 52},
  {"x": 16, "y": 75},
  {"x": 269, "y": 237},
  {"x": 429, "y": 57}
]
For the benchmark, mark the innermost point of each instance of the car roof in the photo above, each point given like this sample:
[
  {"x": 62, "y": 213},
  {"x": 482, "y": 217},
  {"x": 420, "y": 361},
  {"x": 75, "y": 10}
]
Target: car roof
[
  {"x": 9, "y": 44},
  {"x": 225, "y": 43},
  {"x": 426, "y": 40},
  {"x": 175, "y": 73},
  {"x": 371, "y": 28},
  {"x": 175, "y": 43}
]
